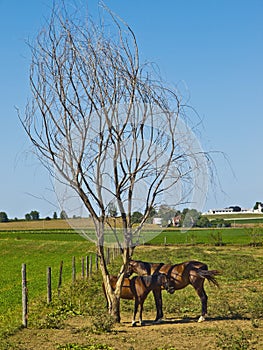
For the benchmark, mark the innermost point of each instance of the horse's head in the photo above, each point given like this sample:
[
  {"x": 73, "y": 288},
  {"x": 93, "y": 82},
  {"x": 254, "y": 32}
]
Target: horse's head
[
  {"x": 130, "y": 269},
  {"x": 165, "y": 282},
  {"x": 138, "y": 267}
]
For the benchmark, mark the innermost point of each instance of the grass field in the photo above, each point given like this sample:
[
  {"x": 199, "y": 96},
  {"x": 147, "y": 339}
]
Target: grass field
[
  {"x": 38, "y": 251},
  {"x": 218, "y": 236},
  {"x": 238, "y": 302}
]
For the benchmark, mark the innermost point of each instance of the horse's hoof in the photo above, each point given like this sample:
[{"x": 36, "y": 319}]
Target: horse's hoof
[
  {"x": 133, "y": 324},
  {"x": 159, "y": 320},
  {"x": 201, "y": 319}
]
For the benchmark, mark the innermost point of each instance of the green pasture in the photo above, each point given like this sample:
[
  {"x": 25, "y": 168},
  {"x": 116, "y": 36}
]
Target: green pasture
[
  {"x": 217, "y": 236},
  {"x": 38, "y": 250},
  {"x": 237, "y": 252}
]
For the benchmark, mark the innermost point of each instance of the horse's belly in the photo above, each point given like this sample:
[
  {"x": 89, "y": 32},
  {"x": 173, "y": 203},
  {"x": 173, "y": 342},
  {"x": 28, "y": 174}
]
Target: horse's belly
[
  {"x": 179, "y": 283},
  {"x": 180, "y": 286},
  {"x": 126, "y": 293}
]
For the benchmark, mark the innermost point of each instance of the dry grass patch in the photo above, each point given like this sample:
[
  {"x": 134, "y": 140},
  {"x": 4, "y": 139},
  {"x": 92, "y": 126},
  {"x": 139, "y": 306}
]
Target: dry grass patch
[{"x": 171, "y": 334}]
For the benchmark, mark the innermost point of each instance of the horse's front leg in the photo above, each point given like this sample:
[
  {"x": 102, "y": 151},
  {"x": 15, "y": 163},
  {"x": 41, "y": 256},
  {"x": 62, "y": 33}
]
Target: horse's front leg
[
  {"x": 140, "y": 313},
  {"x": 136, "y": 302},
  {"x": 158, "y": 304}
]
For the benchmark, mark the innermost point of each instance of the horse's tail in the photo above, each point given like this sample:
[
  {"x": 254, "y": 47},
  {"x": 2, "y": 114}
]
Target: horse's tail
[{"x": 209, "y": 275}]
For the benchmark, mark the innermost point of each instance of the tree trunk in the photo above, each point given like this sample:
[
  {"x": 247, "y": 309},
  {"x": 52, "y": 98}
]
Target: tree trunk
[
  {"x": 113, "y": 296},
  {"x": 114, "y": 307}
]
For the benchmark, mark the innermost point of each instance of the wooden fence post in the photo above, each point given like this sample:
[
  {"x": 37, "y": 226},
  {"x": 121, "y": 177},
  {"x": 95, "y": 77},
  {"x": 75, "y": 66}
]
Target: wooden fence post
[
  {"x": 108, "y": 256},
  {"x": 87, "y": 266},
  {"x": 24, "y": 297},
  {"x": 82, "y": 268},
  {"x": 90, "y": 265},
  {"x": 73, "y": 269},
  {"x": 97, "y": 262},
  {"x": 60, "y": 277},
  {"x": 49, "y": 287}
]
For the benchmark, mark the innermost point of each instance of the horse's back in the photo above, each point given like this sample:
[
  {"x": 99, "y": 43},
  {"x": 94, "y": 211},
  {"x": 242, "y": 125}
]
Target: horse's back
[
  {"x": 197, "y": 264},
  {"x": 172, "y": 270},
  {"x": 181, "y": 274},
  {"x": 191, "y": 264}
]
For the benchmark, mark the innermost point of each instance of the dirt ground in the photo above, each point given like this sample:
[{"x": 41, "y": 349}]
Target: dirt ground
[{"x": 170, "y": 334}]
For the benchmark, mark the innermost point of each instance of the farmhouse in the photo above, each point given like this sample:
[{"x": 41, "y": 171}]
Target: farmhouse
[{"x": 157, "y": 221}]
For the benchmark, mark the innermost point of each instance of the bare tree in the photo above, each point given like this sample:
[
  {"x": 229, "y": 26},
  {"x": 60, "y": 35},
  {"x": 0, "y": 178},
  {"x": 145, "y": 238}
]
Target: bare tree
[{"x": 106, "y": 126}]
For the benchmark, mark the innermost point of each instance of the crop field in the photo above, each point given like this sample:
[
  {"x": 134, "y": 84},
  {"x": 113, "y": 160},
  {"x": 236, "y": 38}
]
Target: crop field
[{"x": 78, "y": 318}]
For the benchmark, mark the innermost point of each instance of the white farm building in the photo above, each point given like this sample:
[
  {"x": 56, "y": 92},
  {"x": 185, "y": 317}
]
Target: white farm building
[{"x": 235, "y": 210}]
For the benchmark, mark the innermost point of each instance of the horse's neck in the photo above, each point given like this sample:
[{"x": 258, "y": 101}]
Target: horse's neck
[
  {"x": 147, "y": 281},
  {"x": 145, "y": 268}
]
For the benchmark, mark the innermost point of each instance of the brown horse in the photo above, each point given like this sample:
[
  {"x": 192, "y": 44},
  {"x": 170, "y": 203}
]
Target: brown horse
[
  {"x": 138, "y": 288},
  {"x": 179, "y": 276}
]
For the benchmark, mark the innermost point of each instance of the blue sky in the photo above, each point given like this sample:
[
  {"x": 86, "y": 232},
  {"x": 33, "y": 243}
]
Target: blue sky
[{"x": 212, "y": 50}]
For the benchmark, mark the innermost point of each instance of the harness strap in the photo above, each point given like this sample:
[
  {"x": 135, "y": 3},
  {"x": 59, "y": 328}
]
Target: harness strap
[
  {"x": 170, "y": 271},
  {"x": 158, "y": 269},
  {"x": 132, "y": 285}
]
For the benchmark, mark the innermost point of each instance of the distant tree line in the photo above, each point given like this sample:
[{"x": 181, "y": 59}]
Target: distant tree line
[
  {"x": 33, "y": 216},
  {"x": 185, "y": 218},
  {"x": 3, "y": 217}
]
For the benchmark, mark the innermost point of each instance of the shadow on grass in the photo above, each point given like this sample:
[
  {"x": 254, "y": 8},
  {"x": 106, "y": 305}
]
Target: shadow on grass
[{"x": 193, "y": 320}]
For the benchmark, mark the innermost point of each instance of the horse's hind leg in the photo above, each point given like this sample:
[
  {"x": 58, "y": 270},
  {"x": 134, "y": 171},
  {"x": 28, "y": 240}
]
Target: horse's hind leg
[
  {"x": 198, "y": 285},
  {"x": 203, "y": 297}
]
